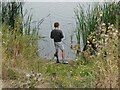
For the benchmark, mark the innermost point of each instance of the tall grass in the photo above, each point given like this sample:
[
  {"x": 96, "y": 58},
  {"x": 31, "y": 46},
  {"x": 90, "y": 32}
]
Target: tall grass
[
  {"x": 101, "y": 42},
  {"x": 88, "y": 20},
  {"x": 85, "y": 22},
  {"x": 19, "y": 39},
  {"x": 107, "y": 58},
  {"x": 10, "y": 11},
  {"x": 100, "y": 70}
]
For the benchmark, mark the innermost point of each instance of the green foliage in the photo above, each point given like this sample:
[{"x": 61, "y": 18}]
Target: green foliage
[
  {"x": 105, "y": 56},
  {"x": 97, "y": 66},
  {"x": 18, "y": 48},
  {"x": 88, "y": 20},
  {"x": 110, "y": 10},
  {"x": 21, "y": 44},
  {"x": 100, "y": 42},
  {"x": 11, "y": 10},
  {"x": 75, "y": 74},
  {"x": 12, "y": 75}
]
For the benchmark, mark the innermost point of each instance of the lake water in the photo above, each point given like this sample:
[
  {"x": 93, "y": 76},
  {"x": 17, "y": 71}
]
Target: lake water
[{"x": 61, "y": 12}]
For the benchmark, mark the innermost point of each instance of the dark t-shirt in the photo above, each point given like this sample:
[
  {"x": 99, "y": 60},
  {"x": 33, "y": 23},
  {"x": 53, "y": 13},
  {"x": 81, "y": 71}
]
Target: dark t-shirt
[{"x": 57, "y": 35}]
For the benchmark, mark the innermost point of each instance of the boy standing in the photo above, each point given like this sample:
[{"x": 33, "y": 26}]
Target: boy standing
[{"x": 57, "y": 35}]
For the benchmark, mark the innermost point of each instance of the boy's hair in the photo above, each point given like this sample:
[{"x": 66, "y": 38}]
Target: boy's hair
[{"x": 56, "y": 24}]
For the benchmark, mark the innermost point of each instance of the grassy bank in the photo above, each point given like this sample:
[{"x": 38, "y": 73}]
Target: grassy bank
[
  {"x": 75, "y": 74},
  {"x": 96, "y": 67},
  {"x": 93, "y": 69}
]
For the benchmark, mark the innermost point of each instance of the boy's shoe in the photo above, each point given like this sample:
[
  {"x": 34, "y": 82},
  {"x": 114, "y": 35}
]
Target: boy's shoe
[
  {"x": 64, "y": 62},
  {"x": 57, "y": 61}
]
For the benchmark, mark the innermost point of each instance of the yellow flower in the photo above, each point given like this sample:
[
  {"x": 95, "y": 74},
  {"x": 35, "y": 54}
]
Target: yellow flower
[{"x": 101, "y": 13}]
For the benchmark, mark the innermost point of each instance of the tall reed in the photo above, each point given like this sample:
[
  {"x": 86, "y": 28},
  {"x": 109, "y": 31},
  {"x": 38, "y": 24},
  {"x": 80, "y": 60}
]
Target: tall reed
[
  {"x": 19, "y": 38},
  {"x": 88, "y": 19}
]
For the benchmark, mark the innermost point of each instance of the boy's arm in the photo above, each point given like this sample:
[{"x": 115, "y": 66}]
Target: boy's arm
[
  {"x": 61, "y": 35},
  {"x": 51, "y": 35}
]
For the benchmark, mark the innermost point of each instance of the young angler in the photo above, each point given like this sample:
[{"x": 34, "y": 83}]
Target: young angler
[{"x": 57, "y": 36}]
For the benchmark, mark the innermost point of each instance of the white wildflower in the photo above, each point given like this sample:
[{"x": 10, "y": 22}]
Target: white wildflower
[
  {"x": 4, "y": 42},
  {"x": 93, "y": 40},
  {"x": 98, "y": 53},
  {"x": 88, "y": 42},
  {"x": 28, "y": 75},
  {"x": 33, "y": 75},
  {"x": 106, "y": 35},
  {"x": 116, "y": 31},
  {"x": 70, "y": 71},
  {"x": 12, "y": 82},
  {"x": 103, "y": 24},
  {"x": 109, "y": 24},
  {"x": 114, "y": 34},
  {"x": 76, "y": 59},
  {"x": 110, "y": 28},
  {"x": 113, "y": 30},
  {"x": 112, "y": 25}
]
